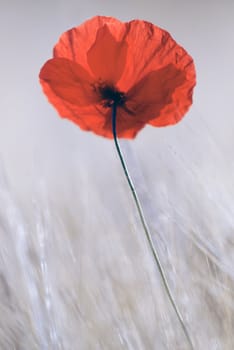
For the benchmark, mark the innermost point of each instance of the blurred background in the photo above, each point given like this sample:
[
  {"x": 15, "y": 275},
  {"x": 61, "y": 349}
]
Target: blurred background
[{"x": 76, "y": 271}]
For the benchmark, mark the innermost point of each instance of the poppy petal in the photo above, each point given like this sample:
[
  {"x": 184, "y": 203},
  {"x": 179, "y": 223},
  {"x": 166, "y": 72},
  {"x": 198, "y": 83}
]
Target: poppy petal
[
  {"x": 98, "y": 119},
  {"x": 182, "y": 99},
  {"x": 64, "y": 108},
  {"x": 76, "y": 42},
  {"x": 69, "y": 81},
  {"x": 126, "y": 125},
  {"x": 107, "y": 57},
  {"x": 148, "y": 97},
  {"x": 88, "y": 118},
  {"x": 149, "y": 49}
]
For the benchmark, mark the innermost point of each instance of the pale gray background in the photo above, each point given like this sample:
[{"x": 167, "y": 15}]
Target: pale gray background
[{"x": 75, "y": 269}]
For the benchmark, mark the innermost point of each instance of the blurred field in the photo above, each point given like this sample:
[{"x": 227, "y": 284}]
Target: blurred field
[{"x": 76, "y": 271}]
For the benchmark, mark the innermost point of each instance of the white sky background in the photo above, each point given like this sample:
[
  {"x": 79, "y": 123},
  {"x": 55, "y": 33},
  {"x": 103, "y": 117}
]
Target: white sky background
[{"x": 187, "y": 169}]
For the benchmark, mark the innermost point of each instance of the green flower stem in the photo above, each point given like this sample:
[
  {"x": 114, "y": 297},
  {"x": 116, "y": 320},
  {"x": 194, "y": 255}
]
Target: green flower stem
[{"x": 145, "y": 227}]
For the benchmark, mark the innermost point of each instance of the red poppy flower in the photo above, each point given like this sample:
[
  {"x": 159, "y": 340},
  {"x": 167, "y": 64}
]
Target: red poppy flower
[{"x": 136, "y": 65}]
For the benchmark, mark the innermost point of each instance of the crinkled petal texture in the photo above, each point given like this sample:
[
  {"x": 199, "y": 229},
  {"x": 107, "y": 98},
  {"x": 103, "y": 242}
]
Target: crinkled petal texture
[{"x": 138, "y": 58}]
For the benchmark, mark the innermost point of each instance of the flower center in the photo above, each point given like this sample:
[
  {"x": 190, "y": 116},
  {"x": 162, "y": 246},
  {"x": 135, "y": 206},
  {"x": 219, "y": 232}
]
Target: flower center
[{"x": 110, "y": 95}]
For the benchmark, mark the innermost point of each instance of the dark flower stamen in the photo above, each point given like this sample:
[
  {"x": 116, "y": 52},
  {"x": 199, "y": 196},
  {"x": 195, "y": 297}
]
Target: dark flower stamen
[{"x": 110, "y": 95}]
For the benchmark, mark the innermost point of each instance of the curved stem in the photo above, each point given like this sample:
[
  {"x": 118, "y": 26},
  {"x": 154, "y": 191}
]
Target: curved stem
[{"x": 145, "y": 227}]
